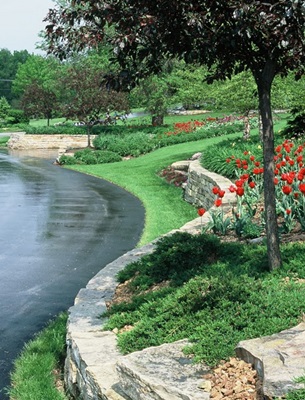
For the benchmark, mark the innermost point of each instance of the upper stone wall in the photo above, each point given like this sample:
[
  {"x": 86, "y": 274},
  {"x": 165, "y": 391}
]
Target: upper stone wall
[
  {"x": 198, "y": 190},
  {"x": 22, "y": 141}
]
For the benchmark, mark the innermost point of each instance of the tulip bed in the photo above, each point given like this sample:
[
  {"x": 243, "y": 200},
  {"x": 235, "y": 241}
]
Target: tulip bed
[{"x": 248, "y": 185}]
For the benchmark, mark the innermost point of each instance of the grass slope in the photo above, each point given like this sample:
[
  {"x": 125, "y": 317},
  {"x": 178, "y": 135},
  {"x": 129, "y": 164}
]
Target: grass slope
[{"x": 164, "y": 205}]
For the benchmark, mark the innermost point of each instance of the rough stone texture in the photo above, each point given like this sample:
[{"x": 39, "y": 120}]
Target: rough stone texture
[
  {"x": 91, "y": 355},
  {"x": 198, "y": 190},
  {"x": 181, "y": 165},
  {"x": 279, "y": 359},
  {"x": 23, "y": 141},
  {"x": 90, "y": 367},
  {"x": 162, "y": 373}
]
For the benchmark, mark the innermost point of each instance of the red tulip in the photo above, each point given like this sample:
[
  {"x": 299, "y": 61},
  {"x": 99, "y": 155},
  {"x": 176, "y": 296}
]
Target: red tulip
[
  {"x": 218, "y": 202},
  {"x": 240, "y": 191},
  {"x": 201, "y": 212}
]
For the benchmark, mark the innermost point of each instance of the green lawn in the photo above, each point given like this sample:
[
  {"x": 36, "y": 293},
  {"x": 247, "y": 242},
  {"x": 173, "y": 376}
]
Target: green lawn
[
  {"x": 164, "y": 205},
  {"x": 33, "y": 376}
]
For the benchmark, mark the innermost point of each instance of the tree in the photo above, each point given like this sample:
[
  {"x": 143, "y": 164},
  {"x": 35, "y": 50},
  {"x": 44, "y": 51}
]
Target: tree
[
  {"x": 38, "y": 70},
  {"x": 266, "y": 38},
  {"x": 37, "y": 101},
  {"x": 239, "y": 94},
  {"x": 86, "y": 98},
  {"x": 154, "y": 92},
  {"x": 188, "y": 84},
  {"x": 9, "y": 63},
  {"x": 4, "y": 109}
]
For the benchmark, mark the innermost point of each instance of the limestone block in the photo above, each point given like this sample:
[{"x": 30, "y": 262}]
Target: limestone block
[
  {"x": 21, "y": 140},
  {"x": 279, "y": 359},
  {"x": 198, "y": 190},
  {"x": 162, "y": 373},
  {"x": 181, "y": 165}
]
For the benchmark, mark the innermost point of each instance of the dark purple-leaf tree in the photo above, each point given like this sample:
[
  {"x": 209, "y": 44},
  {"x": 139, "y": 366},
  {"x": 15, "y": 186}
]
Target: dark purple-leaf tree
[
  {"x": 264, "y": 37},
  {"x": 86, "y": 98},
  {"x": 38, "y": 101}
]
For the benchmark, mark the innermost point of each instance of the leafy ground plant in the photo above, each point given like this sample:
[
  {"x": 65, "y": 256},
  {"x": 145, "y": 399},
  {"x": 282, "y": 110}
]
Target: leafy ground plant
[
  {"x": 221, "y": 296},
  {"x": 129, "y": 143},
  {"x": 88, "y": 156}
]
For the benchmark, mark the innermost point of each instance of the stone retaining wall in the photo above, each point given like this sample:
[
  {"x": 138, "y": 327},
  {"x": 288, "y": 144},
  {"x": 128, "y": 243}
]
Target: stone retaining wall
[
  {"x": 92, "y": 355},
  {"x": 198, "y": 190},
  {"x": 22, "y": 141}
]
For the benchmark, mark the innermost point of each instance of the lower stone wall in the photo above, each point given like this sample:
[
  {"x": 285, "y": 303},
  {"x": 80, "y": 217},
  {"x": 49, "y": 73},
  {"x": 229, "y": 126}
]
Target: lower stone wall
[
  {"x": 92, "y": 356},
  {"x": 22, "y": 141},
  {"x": 198, "y": 190}
]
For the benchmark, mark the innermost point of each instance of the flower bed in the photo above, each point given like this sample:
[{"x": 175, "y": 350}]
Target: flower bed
[{"x": 248, "y": 216}]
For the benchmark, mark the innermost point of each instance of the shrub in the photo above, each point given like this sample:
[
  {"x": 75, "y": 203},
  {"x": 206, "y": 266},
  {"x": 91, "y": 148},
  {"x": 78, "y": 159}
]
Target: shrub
[
  {"x": 16, "y": 117},
  {"x": 296, "y": 126},
  {"x": 88, "y": 156},
  {"x": 67, "y": 160},
  {"x": 4, "y": 140},
  {"x": 219, "y": 294},
  {"x": 54, "y": 130},
  {"x": 133, "y": 144},
  {"x": 171, "y": 260},
  {"x": 143, "y": 142}
]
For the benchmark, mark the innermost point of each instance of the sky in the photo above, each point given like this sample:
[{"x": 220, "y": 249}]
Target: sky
[{"x": 20, "y": 23}]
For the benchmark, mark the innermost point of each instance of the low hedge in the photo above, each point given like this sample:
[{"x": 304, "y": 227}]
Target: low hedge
[{"x": 88, "y": 156}]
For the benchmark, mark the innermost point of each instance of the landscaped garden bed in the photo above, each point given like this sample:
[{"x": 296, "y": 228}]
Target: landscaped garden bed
[{"x": 129, "y": 142}]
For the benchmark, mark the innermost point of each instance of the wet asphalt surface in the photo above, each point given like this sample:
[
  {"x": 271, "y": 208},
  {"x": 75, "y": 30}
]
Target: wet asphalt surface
[{"x": 58, "y": 228}]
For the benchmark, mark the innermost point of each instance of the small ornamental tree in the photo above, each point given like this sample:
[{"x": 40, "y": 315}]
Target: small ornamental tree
[
  {"x": 266, "y": 38},
  {"x": 86, "y": 98},
  {"x": 37, "y": 101}
]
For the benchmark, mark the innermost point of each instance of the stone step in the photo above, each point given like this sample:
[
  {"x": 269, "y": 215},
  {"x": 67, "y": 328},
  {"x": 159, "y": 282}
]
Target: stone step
[
  {"x": 278, "y": 359},
  {"x": 162, "y": 373}
]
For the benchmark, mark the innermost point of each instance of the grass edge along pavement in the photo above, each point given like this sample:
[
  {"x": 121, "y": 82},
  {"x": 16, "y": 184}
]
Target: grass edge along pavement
[{"x": 33, "y": 376}]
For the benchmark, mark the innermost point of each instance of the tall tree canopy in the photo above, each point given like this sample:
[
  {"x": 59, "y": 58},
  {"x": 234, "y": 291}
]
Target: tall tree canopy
[
  {"x": 228, "y": 37},
  {"x": 9, "y": 63},
  {"x": 36, "y": 70}
]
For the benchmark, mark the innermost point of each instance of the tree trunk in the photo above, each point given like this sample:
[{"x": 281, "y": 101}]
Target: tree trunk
[
  {"x": 157, "y": 120},
  {"x": 264, "y": 82},
  {"x": 88, "y": 135},
  {"x": 247, "y": 125}
]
